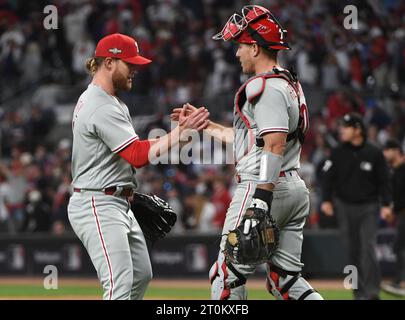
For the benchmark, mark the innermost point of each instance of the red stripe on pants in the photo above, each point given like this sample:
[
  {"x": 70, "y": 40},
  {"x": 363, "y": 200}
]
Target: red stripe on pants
[{"x": 100, "y": 233}]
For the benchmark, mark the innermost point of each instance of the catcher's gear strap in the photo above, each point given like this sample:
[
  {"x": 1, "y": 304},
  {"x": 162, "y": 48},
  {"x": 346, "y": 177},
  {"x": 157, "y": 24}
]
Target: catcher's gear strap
[
  {"x": 274, "y": 289},
  {"x": 270, "y": 167},
  {"x": 241, "y": 279},
  {"x": 254, "y": 87},
  {"x": 306, "y": 294},
  {"x": 289, "y": 284},
  {"x": 282, "y": 272},
  {"x": 137, "y": 153},
  {"x": 273, "y": 285},
  {"x": 260, "y": 40}
]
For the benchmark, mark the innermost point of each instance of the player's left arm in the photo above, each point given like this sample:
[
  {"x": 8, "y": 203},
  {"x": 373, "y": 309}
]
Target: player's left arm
[
  {"x": 270, "y": 166},
  {"x": 274, "y": 143},
  {"x": 141, "y": 152}
]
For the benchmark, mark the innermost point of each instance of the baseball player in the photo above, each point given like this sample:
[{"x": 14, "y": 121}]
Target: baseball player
[
  {"x": 106, "y": 150},
  {"x": 270, "y": 121}
]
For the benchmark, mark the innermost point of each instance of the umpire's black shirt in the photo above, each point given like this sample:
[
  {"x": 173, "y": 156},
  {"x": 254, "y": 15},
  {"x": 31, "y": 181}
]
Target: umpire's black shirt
[
  {"x": 398, "y": 189},
  {"x": 356, "y": 174}
]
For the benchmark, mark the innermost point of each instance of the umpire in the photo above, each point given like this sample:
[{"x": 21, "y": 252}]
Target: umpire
[{"x": 357, "y": 177}]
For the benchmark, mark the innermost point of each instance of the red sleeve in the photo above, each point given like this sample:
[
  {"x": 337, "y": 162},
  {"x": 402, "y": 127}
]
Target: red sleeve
[{"x": 136, "y": 153}]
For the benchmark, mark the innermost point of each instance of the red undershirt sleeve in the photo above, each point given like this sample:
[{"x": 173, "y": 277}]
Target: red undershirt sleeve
[{"x": 136, "y": 153}]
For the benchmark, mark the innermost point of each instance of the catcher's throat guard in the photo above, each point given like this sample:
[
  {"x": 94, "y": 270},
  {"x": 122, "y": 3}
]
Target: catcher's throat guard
[{"x": 254, "y": 241}]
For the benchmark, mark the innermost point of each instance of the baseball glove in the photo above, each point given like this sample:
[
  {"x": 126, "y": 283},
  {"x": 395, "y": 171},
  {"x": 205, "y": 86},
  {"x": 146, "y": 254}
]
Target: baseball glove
[
  {"x": 154, "y": 215},
  {"x": 254, "y": 240}
]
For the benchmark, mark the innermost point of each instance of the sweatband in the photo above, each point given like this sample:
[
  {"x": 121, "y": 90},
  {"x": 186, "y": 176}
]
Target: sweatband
[
  {"x": 270, "y": 167},
  {"x": 263, "y": 195}
]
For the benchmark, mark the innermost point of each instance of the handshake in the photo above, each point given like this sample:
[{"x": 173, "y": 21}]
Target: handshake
[{"x": 190, "y": 118}]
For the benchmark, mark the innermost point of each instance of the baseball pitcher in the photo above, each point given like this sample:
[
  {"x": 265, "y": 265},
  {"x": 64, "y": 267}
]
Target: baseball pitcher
[
  {"x": 106, "y": 151},
  {"x": 265, "y": 220}
]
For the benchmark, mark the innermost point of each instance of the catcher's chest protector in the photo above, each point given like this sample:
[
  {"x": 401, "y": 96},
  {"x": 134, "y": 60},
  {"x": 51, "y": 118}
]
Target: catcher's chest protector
[{"x": 242, "y": 95}]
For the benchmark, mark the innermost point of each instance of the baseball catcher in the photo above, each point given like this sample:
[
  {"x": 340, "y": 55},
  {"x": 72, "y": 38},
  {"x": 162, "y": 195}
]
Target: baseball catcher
[
  {"x": 154, "y": 215},
  {"x": 269, "y": 127}
]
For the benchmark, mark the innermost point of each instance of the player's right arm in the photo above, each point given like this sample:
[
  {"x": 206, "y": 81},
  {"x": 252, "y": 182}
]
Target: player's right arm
[
  {"x": 197, "y": 120},
  {"x": 141, "y": 152},
  {"x": 214, "y": 129}
]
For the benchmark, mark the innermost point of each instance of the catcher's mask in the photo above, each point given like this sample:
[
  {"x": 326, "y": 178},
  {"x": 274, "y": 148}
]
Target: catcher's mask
[{"x": 256, "y": 25}]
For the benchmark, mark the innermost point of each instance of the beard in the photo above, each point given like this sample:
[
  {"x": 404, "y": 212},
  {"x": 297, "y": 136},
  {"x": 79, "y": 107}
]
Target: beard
[
  {"x": 247, "y": 68},
  {"x": 120, "y": 82}
]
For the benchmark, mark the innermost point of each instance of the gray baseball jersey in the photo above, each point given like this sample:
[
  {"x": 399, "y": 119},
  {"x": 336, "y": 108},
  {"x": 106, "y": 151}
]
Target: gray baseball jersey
[
  {"x": 271, "y": 105},
  {"x": 276, "y": 110},
  {"x": 102, "y": 127},
  {"x": 104, "y": 223}
]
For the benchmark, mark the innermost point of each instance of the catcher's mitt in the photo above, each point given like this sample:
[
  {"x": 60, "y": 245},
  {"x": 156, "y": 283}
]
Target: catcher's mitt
[
  {"x": 254, "y": 240},
  {"x": 154, "y": 215}
]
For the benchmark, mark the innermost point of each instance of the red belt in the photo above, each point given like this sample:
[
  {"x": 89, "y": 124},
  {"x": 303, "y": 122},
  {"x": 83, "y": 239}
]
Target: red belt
[{"x": 125, "y": 192}]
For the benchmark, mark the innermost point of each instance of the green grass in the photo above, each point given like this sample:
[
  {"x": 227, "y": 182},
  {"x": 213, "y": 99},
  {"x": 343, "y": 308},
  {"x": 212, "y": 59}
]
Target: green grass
[
  {"x": 37, "y": 291},
  {"x": 253, "y": 294}
]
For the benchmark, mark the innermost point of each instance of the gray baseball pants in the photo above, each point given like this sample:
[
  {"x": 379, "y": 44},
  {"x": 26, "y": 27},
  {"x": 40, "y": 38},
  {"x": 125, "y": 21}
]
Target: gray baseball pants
[
  {"x": 290, "y": 207},
  {"x": 114, "y": 241}
]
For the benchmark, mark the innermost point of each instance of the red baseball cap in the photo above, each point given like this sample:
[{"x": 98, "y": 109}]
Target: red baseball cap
[{"x": 120, "y": 46}]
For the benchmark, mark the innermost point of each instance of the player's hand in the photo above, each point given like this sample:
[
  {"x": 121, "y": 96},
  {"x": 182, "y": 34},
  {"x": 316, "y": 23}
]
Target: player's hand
[
  {"x": 196, "y": 120},
  {"x": 174, "y": 116},
  {"x": 386, "y": 214},
  {"x": 327, "y": 208}
]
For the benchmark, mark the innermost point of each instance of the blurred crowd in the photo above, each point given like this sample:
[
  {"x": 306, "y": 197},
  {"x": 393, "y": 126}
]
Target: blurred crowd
[{"x": 360, "y": 69}]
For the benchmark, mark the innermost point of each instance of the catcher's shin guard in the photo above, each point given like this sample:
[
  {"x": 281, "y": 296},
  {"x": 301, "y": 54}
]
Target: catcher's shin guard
[
  {"x": 286, "y": 285},
  {"x": 226, "y": 282}
]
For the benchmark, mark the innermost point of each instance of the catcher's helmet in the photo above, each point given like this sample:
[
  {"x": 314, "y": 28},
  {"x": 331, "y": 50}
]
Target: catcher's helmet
[{"x": 256, "y": 25}]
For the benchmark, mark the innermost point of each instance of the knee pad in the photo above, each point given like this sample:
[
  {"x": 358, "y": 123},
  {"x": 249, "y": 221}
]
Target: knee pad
[
  {"x": 226, "y": 282},
  {"x": 218, "y": 277},
  {"x": 286, "y": 285}
]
